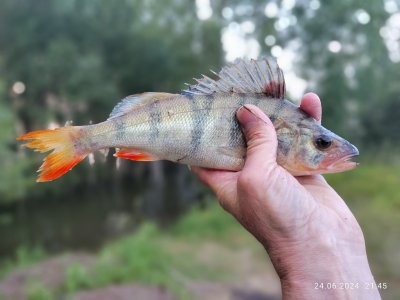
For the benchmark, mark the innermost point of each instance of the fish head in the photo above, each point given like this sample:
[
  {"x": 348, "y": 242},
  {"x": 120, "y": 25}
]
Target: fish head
[{"x": 308, "y": 148}]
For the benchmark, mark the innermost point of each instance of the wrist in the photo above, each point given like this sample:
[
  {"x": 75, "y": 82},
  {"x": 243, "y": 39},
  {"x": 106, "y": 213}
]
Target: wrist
[{"x": 323, "y": 270}]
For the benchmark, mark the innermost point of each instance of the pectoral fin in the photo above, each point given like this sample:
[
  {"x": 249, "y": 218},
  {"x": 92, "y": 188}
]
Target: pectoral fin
[{"x": 135, "y": 154}]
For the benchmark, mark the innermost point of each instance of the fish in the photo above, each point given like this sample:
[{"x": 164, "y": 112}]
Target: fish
[{"x": 198, "y": 127}]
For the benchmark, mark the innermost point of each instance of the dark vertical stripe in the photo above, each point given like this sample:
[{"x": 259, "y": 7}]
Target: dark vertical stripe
[
  {"x": 284, "y": 144},
  {"x": 118, "y": 124},
  {"x": 242, "y": 100},
  {"x": 190, "y": 96},
  {"x": 201, "y": 108},
  {"x": 258, "y": 98},
  {"x": 155, "y": 121},
  {"x": 235, "y": 133},
  {"x": 277, "y": 110}
]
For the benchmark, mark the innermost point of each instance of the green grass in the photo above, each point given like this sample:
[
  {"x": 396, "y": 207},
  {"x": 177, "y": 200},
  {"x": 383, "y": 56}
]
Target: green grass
[
  {"x": 372, "y": 191},
  {"x": 375, "y": 184},
  {"x": 24, "y": 256},
  {"x": 170, "y": 258},
  {"x": 37, "y": 291},
  {"x": 76, "y": 277},
  {"x": 140, "y": 257},
  {"x": 162, "y": 258},
  {"x": 210, "y": 223}
]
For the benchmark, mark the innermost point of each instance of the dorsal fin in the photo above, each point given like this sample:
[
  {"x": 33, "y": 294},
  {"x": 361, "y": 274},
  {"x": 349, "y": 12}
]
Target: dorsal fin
[
  {"x": 131, "y": 102},
  {"x": 262, "y": 76}
]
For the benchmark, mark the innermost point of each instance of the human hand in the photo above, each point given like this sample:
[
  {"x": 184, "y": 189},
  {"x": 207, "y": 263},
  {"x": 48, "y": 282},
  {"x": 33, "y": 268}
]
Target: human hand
[{"x": 307, "y": 229}]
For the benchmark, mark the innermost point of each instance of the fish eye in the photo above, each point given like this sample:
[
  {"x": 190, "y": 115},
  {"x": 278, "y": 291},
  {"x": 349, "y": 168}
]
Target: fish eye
[{"x": 323, "y": 142}]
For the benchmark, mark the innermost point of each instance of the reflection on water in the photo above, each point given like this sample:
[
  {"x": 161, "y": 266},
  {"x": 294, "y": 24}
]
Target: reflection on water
[
  {"x": 99, "y": 213},
  {"x": 68, "y": 223}
]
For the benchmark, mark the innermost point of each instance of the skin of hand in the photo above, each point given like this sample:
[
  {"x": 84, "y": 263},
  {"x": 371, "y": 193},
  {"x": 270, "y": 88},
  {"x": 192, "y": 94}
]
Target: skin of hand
[{"x": 307, "y": 229}]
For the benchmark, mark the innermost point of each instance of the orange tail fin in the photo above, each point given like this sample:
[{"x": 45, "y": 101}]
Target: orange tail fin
[{"x": 66, "y": 153}]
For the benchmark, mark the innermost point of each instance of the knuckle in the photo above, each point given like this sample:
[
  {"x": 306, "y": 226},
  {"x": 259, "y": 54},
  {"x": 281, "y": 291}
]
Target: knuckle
[{"x": 257, "y": 134}]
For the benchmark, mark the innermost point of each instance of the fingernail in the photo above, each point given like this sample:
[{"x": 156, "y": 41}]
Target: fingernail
[{"x": 246, "y": 115}]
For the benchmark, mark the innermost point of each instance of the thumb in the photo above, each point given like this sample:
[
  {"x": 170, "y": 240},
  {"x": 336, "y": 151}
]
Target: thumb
[{"x": 260, "y": 136}]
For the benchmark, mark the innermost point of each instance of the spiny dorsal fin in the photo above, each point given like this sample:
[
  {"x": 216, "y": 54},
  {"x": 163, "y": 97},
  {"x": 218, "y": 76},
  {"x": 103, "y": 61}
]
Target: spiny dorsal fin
[
  {"x": 131, "y": 102},
  {"x": 262, "y": 76}
]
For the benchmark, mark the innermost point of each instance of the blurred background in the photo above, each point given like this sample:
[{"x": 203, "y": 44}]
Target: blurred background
[{"x": 151, "y": 229}]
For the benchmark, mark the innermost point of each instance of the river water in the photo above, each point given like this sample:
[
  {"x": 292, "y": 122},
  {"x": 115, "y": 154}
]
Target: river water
[{"x": 85, "y": 219}]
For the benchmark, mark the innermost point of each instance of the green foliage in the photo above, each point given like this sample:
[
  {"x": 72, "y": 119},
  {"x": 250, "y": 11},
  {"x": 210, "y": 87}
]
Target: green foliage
[
  {"x": 356, "y": 82},
  {"x": 158, "y": 257},
  {"x": 139, "y": 257},
  {"x": 77, "y": 59},
  {"x": 372, "y": 192},
  {"x": 133, "y": 257},
  {"x": 168, "y": 258},
  {"x": 13, "y": 185},
  {"x": 382, "y": 123},
  {"x": 24, "y": 256},
  {"x": 162, "y": 257},
  {"x": 346, "y": 83},
  {"x": 208, "y": 223},
  {"x": 37, "y": 291},
  {"x": 98, "y": 51},
  {"x": 381, "y": 190},
  {"x": 173, "y": 256},
  {"x": 76, "y": 277}
]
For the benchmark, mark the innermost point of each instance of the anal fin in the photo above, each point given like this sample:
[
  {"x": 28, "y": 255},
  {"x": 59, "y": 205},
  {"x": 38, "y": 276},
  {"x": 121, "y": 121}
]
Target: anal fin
[{"x": 135, "y": 154}]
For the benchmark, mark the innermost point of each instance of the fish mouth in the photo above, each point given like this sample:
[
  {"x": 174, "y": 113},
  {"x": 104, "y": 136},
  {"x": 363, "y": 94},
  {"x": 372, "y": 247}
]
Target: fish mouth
[{"x": 345, "y": 163}]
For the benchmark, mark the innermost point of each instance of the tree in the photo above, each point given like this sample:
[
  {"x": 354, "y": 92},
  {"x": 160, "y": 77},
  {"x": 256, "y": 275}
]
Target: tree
[
  {"x": 77, "y": 59},
  {"x": 339, "y": 48}
]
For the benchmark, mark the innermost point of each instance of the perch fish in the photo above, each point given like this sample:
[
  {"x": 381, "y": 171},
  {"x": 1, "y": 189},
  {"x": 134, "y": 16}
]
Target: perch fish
[{"x": 198, "y": 127}]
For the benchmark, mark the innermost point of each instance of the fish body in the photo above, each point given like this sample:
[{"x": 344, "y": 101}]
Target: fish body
[
  {"x": 196, "y": 130},
  {"x": 199, "y": 127}
]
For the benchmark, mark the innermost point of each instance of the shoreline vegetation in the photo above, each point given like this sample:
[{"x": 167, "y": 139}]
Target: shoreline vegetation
[{"x": 207, "y": 245}]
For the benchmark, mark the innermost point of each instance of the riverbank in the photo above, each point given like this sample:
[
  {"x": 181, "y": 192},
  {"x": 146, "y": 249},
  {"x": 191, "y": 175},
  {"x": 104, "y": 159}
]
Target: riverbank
[{"x": 206, "y": 254}]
